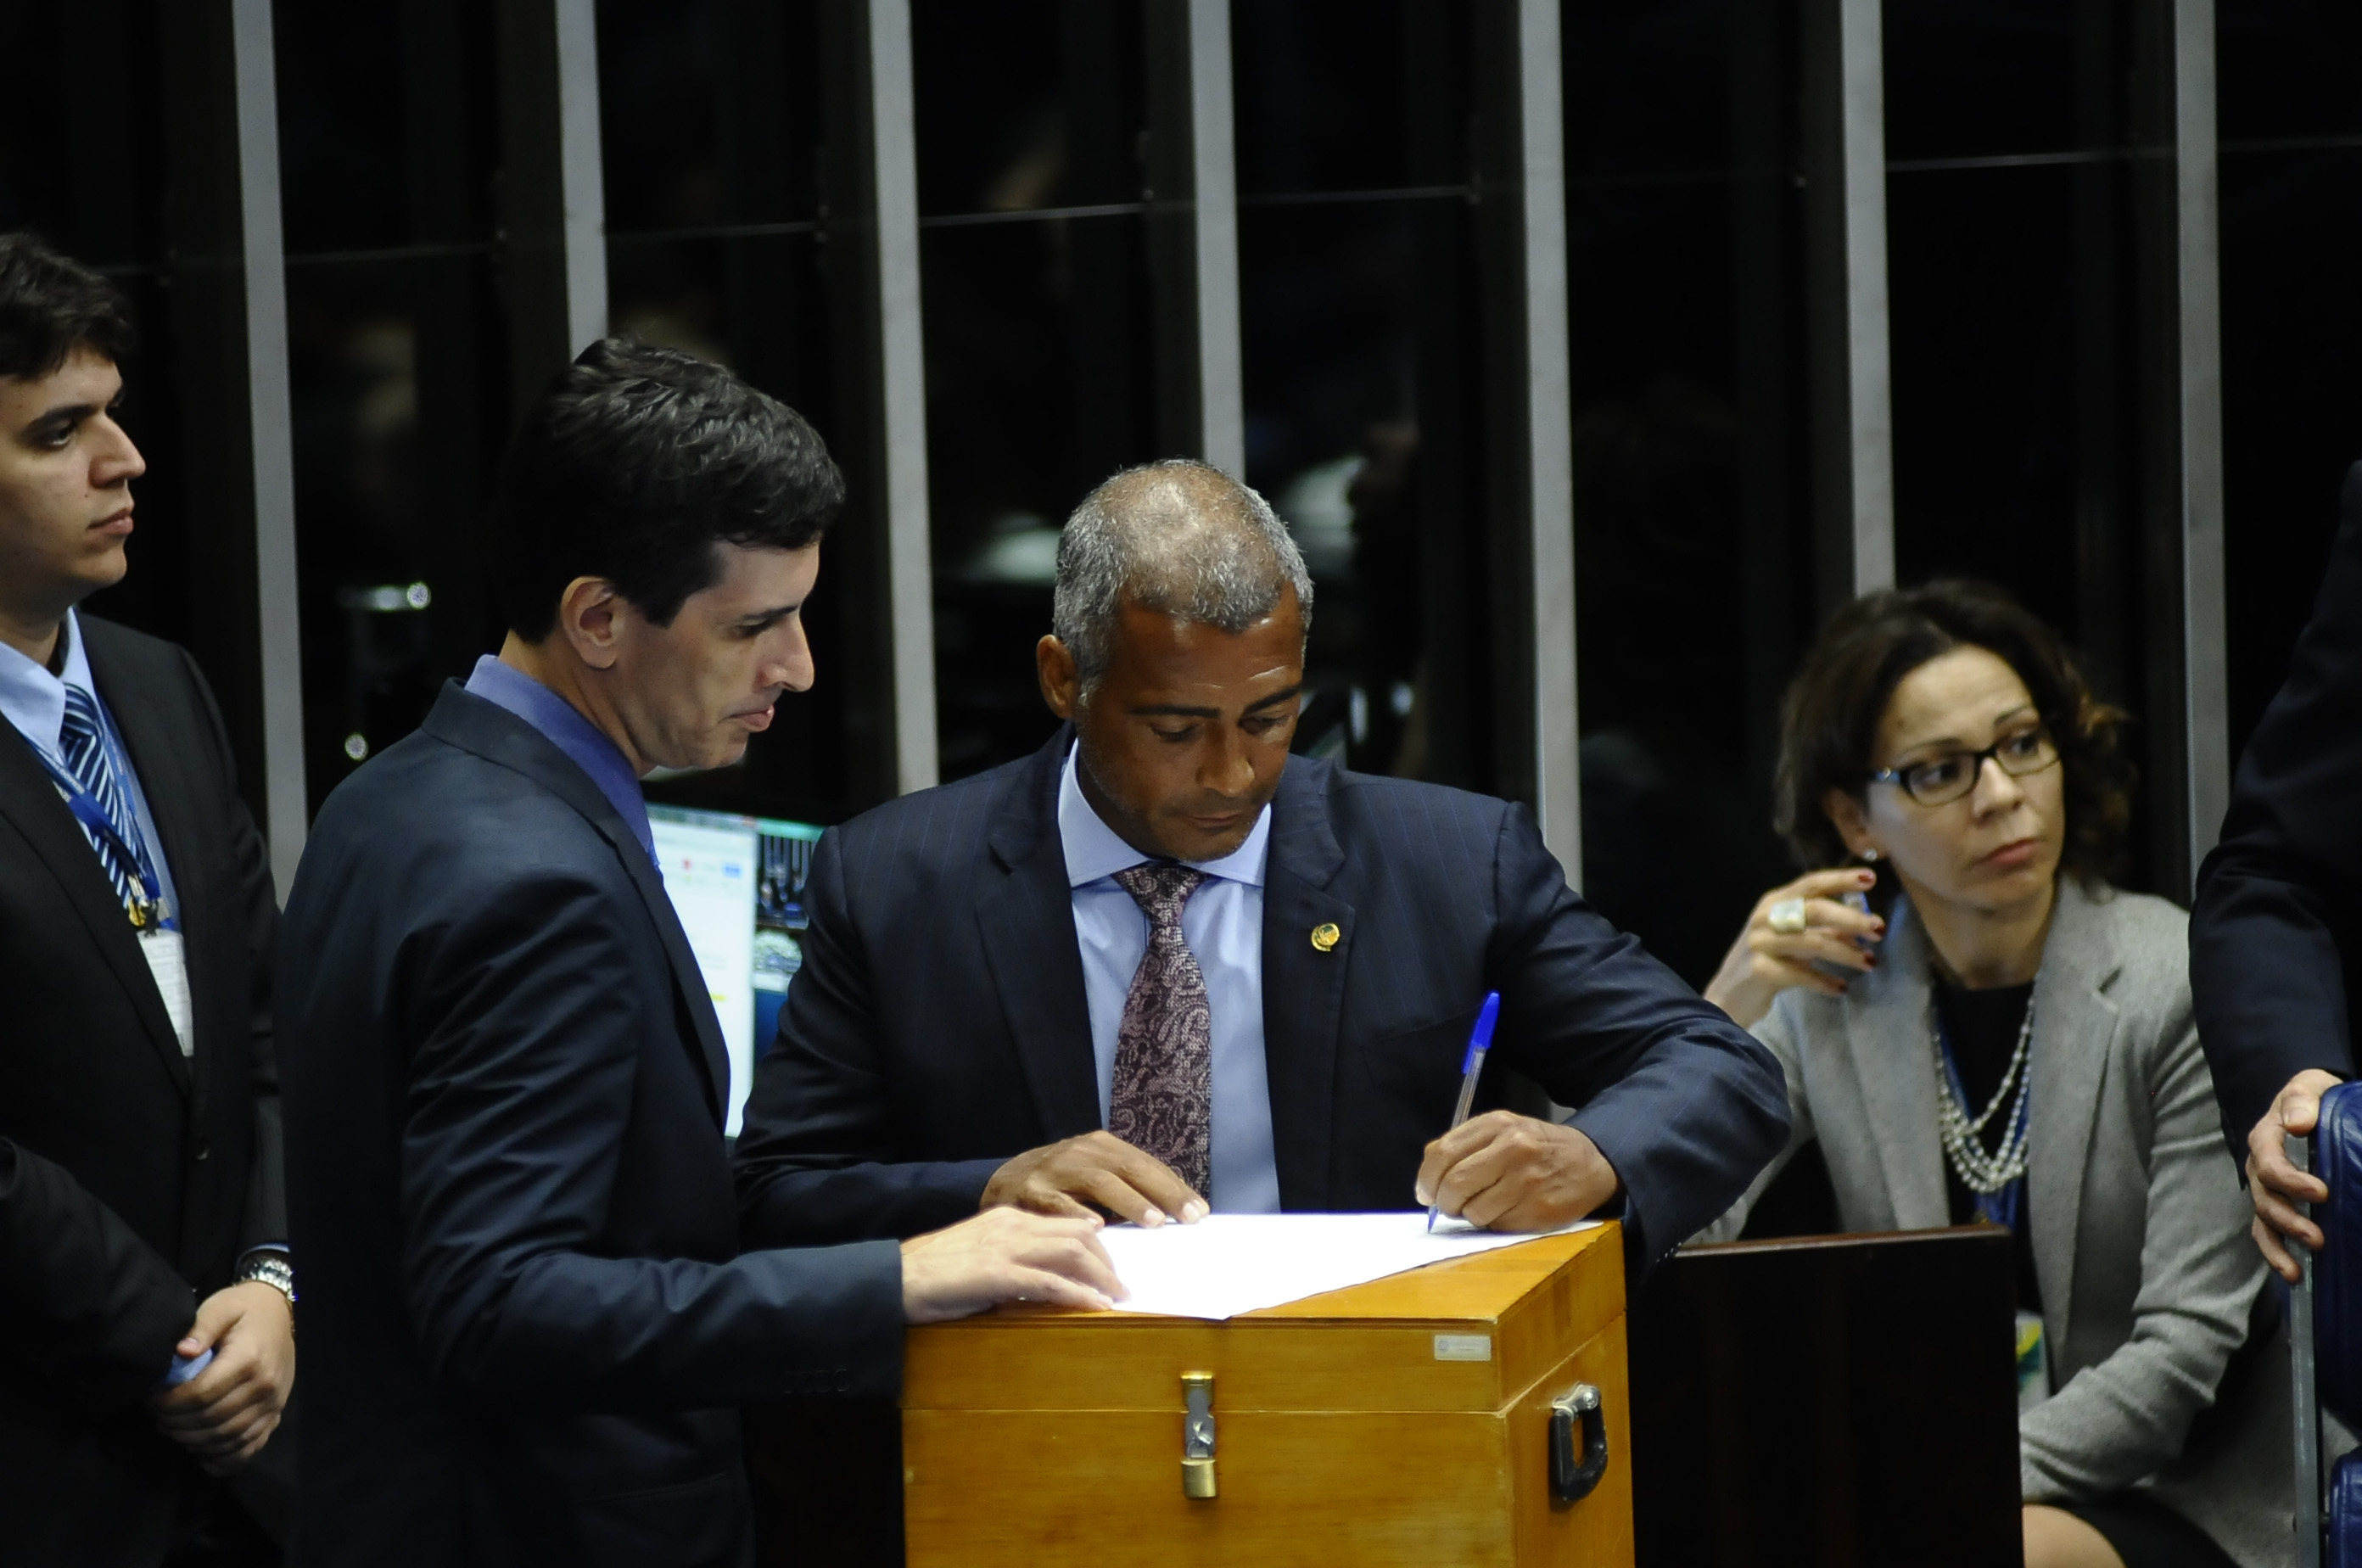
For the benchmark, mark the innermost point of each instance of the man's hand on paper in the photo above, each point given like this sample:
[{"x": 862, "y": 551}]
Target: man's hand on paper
[
  {"x": 1506, "y": 1172},
  {"x": 1005, "y": 1254},
  {"x": 2274, "y": 1185},
  {"x": 1096, "y": 1168}
]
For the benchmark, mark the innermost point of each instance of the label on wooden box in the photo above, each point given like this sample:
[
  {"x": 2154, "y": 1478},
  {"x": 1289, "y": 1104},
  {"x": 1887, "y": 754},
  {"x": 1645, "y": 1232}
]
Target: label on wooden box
[{"x": 1463, "y": 1347}]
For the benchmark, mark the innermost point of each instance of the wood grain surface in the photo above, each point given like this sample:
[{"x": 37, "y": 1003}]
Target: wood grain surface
[{"x": 1040, "y": 1438}]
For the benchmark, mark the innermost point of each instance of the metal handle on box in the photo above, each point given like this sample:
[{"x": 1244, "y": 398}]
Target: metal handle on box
[
  {"x": 1197, "y": 1435},
  {"x": 1571, "y": 1480}
]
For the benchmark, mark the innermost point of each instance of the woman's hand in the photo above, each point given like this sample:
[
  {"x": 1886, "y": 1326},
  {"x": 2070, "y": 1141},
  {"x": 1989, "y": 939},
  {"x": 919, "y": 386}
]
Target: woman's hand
[{"x": 1767, "y": 960}]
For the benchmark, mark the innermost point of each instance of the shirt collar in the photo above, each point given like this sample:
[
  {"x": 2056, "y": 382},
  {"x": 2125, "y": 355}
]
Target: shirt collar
[
  {"x": 34, "y": 699},
  {"x": 564, "y": 727},
  {"x": 1095, "y": 851}
]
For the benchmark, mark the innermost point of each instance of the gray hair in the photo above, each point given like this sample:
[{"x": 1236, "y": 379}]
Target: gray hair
[{"x": 1175, "y": 537}]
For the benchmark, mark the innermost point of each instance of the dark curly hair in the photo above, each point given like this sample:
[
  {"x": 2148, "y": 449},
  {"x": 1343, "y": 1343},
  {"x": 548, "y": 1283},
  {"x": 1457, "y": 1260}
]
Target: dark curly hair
[
  {"x": 51, "y": 304},
  {"x": 634, "y": 465},
  {"x": 1829, "y": 719}
]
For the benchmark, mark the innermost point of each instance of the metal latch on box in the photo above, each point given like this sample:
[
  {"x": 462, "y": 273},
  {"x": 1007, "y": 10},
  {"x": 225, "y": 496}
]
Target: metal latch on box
[
  {"x": 1572, "y": 1479},
  {"x": 1197, "y": 1435}
]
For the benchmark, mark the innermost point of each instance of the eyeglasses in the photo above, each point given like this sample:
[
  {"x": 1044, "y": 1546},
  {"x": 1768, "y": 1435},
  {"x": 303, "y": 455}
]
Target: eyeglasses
[{"x": 1940, "y": 780}]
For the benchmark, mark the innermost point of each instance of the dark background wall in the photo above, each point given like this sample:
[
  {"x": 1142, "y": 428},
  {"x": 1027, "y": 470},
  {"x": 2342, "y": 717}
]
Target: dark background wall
[{"x": 2016, "y": 135}]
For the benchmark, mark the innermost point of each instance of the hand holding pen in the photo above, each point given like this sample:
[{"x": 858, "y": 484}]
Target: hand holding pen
[
  {"x": 1506, "y": 1172},
  {"x": 1472, "y": 1067}
]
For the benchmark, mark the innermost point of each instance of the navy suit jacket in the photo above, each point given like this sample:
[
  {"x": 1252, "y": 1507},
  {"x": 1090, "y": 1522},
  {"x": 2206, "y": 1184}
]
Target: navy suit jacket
[
  {"x": 2276, "y": 932},
  {"x": 131, "y": 1176},
  {"x": 938, "y": 1025},
  {"x": 527, "y": 1319}
]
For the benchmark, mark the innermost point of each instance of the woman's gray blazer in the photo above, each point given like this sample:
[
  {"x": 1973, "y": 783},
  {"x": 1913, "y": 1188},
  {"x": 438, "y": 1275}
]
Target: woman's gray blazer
[{"x": 2149, "y": 1281}]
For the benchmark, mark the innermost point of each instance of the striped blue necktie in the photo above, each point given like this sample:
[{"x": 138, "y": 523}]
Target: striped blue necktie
[{"x": 88, "y": 758}]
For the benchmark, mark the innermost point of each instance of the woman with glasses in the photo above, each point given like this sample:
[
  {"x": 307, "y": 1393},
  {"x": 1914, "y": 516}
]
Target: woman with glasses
[{"x": 2011, "y": 1041}]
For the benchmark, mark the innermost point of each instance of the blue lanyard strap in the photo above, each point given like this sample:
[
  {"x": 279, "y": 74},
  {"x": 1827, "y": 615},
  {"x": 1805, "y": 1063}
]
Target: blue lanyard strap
[
  {"x": 123, "y": 842},
  {"x": 2007, "y": 1207}
]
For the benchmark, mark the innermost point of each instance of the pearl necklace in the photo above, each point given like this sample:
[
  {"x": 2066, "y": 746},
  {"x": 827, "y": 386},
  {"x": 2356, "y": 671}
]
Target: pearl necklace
[{"x": 1978, "y": 1171}]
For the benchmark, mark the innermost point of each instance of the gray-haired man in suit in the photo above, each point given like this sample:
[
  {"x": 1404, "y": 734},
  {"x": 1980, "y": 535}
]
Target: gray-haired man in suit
[{"x": 1162, "y": 966}]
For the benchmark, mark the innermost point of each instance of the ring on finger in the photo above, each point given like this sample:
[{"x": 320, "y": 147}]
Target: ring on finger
[{"x": 1787, "y": 916}]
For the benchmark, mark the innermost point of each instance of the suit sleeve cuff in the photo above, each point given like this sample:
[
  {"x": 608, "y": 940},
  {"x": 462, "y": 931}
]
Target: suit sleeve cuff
[
  {"x": 1624, "y": 1207},
  {"x": 853, "y": 1346}
]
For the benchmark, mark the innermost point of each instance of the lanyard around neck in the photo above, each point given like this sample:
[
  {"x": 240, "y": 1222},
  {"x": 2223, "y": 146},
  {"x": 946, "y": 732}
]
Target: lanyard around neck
[{"x": 146, "y": 907}]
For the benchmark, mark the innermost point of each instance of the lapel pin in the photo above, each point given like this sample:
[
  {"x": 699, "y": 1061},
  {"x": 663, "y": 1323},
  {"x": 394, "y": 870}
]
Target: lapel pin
[{"x": 1325, "y": 937}]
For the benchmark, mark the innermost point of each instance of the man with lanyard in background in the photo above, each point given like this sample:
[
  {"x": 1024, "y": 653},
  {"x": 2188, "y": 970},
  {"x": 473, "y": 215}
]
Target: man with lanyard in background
[{"x": 146, "y": 1293}]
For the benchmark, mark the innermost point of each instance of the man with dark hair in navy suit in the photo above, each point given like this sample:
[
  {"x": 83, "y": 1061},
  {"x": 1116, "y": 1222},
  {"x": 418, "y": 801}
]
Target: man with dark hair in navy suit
[
  {"x": 1161, "y": 966},
  {"x": 146, "y": 1331},
  {"x": 530, "y": 1319}
]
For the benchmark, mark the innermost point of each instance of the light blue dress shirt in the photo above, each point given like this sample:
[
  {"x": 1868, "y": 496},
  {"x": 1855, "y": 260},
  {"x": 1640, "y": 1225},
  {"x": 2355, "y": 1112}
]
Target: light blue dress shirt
[
  {"x": 35, "y": 702},
  {"x": 585, "y": 744},
  {"x": 1223, "y": 925}
]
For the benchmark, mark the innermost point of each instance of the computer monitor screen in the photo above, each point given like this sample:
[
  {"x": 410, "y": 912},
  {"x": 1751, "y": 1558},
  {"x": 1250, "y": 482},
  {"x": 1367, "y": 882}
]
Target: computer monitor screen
[{"x": 737, "y": 884}]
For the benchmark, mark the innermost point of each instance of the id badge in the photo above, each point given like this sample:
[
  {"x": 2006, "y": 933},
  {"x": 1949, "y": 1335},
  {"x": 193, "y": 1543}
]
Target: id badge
[{"x": 168, "y": 961}]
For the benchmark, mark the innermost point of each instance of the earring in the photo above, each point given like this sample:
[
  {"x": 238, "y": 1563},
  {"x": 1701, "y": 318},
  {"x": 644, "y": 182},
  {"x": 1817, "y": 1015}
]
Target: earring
[{"x": 1870, "y": 856}]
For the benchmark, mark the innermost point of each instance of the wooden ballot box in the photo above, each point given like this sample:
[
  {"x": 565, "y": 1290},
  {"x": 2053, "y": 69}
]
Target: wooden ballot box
[{"x": 1469, "y": 1413}]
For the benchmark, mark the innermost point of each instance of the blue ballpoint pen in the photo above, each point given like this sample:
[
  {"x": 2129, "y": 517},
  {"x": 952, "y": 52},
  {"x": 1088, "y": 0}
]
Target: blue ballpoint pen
[{"x": 1480, "y": 1040}]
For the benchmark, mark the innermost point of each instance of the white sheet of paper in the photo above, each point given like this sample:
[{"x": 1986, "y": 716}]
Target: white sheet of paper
[{"x": 1228, "y": 1264}]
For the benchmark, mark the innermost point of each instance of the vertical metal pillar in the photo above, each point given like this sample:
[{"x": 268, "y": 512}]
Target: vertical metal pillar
[
  {"x": 880, "y": 560},
  {"x": 1222, "y": 417},
  {"x": 1845, "y": 192},
  {"x": 553, "y": 263},
  {"x": 2195, "y": 551},
  {"x": 1522, "y": 247},
  {"x": 903, "y": 387},
  {"x": 2205, "y": 696},
  {"x": 270, "y": 413},
  {"x": 2187, "y": 770},
  {"x": 582, "y": 221},
  {"x": 1549, "y": 413},
  {"x": 226, "y": 271},
  {"x": 1193, "y": 224}
]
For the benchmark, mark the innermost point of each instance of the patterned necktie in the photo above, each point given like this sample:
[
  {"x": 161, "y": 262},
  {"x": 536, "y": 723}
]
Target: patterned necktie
[
  {"x": 86, "y": 758},
  {"x": 1163, "y": 1097}
]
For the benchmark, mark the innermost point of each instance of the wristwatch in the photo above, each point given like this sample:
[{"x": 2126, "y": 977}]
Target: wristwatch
[{"x": 270, "y": 1268}]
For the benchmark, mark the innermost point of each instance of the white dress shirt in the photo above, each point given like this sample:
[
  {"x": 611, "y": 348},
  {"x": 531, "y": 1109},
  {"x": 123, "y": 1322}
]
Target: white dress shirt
[{"x": 1223, "y": 925}]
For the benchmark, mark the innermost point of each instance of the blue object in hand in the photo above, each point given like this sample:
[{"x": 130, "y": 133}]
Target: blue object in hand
[
  {"x": 1480, "y": 1040},
  {"x": 185, "y": 1367}
]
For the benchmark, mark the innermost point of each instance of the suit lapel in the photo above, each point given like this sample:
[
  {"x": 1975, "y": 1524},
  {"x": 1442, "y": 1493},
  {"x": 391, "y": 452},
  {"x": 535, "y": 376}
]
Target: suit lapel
[
  {"x": 1303, "y": 986},
  {"x": 29, "y": 800},
  {"x": 1888, "y": 1042},
  {"x": 2074, "y": 1031},
  {"x": 158, "y": 748},
  {"x": 494, "y": 733},
  {"x": 1026, "y": 920}
]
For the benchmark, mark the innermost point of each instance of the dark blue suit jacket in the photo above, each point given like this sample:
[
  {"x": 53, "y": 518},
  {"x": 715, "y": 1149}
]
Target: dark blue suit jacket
[
  {"x": 938, "y": 1025},
  {"x": 525, "y": 1319},
  {"x": 131, "y": 1177},
  {"x": 2276, "y": 932}
]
